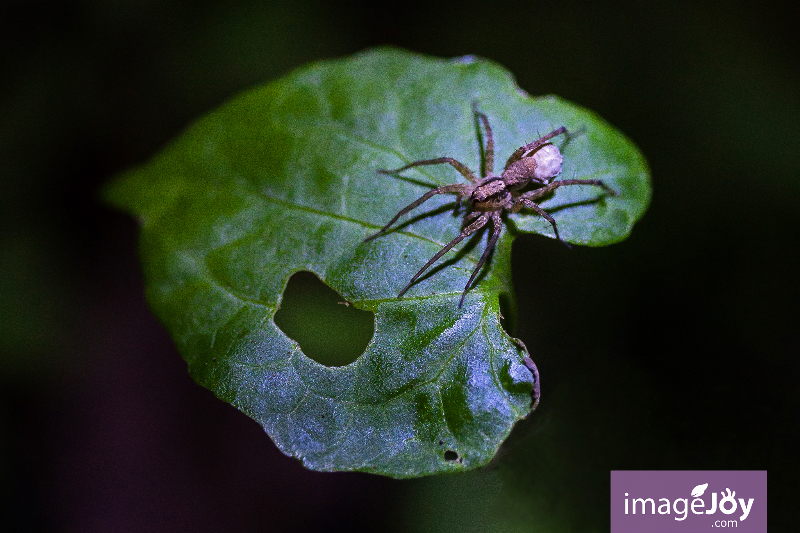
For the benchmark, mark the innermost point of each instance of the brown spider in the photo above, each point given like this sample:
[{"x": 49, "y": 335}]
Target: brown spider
[{"x": 537, "y": 162}]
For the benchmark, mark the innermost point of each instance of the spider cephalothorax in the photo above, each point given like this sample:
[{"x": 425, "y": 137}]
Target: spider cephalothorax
[{"x": 536, "y": 163}]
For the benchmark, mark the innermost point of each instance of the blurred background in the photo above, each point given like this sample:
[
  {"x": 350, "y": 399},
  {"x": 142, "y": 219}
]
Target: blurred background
[{"x": 675, "y": 349}]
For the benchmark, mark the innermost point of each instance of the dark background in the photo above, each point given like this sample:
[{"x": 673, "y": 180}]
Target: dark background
[{"x": 676, "y": 349}]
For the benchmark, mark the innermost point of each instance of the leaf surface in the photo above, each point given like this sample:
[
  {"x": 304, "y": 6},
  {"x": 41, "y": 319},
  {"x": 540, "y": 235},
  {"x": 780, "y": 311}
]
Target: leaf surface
[{"x": 283, "y": 179}]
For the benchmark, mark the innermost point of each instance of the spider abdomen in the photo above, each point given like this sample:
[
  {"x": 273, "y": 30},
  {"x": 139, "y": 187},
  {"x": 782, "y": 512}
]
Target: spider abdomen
[{"x": 541, "y": 167}]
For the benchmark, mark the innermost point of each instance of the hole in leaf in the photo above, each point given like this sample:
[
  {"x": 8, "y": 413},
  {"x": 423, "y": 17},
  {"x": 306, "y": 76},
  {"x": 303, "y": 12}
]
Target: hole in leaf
[
  {"x": 328, "y": 331},
  {"x": 450, "y": 455}
]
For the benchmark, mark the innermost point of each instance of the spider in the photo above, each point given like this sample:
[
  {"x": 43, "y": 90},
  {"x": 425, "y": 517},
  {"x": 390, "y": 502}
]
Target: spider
[{"x": 537, "y": 163}]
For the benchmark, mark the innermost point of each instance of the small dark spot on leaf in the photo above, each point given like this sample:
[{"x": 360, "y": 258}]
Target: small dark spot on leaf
[
  {"x": 450, "y": 455},
  {"x": 441, "y": 442}
]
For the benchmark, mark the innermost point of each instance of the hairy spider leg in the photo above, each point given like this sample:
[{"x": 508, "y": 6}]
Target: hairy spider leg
[
  {"x": 542, "y": 191},
  {"x": 488, "y": 154},
  {"x": 522, "y": 150},
  {"x": 456, "y": 188},
  {"x": 519, "y": 203},
  {"x": 526, "y": 199},
  {"x": 497, "y": 225},
  {"x": 456, "y": 164},
  {"x": 483, "y": 218}
]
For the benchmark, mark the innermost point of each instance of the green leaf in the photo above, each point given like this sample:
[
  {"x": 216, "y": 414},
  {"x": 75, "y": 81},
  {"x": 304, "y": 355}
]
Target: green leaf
[{"x": 283, "y": 179}]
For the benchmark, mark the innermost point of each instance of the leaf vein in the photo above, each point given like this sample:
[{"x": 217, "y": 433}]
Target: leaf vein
[{"x": 319, "y": 212}]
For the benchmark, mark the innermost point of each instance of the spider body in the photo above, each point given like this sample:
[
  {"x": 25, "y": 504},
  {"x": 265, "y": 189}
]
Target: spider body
[{"x": 536, "y": 163}]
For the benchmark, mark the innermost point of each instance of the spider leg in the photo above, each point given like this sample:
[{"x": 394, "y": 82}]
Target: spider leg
[
  {"x": 526, "y": 199},
  {"x": 456, "y": 188},
  {"x": 488, "y": 155},
  {"x": 547, "y": 189},
  {"x": 455, "y": 163},
  {"x": 497, "y": 224},
  {"x": 522, "y": 150},
  {"x": 483, "y": 218},
  {"x": 519, "y": 203}
]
